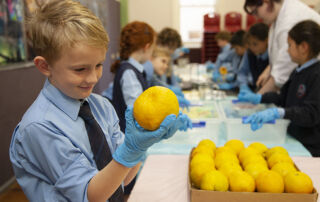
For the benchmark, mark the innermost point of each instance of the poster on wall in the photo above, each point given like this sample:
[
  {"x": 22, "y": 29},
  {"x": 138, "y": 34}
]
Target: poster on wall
[{"x": 11, "y": 32}]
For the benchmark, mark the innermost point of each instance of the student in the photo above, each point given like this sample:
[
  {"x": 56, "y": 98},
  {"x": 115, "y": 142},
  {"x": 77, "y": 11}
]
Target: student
[
  {"x": 281, "y": 15},
  {"x": 299, "y": 98},
  {"x": 171, "y": 39},
  {"x": 225, "y": 56},
  {"x": 137, "y": 41},
  {"x": 160, "y": 61},
  {"x": 52, "y": 153},
  {"x": 239, "y": 46},
  {"x": 256, "y": 58}
]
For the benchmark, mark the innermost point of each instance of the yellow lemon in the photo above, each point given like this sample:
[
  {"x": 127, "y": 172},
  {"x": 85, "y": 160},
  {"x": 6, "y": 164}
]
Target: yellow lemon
[
  {"x": 224, "y": 150},
  {"x": 215, "y": 181},
  {"x": 241, "y": 181},
  {"x": 229, "y": 167},
  {"x": 198, "y": 172},
  {"x": 202, "y": 150},
  {"x": 261, "y": 148},
  {"x": 270, "y": 181},
  {"x": 223, "y": 70},
  {"x": 201, "y": 158},
  {"x": 245, "y": 153},
  {"x": 277, "y": 149},
  {"x": 254, "y": 159},
  {"x": 283, "y": 168},
  {"x": 153, "y": 105},
  {"x": 254, "y": 169},
  {"x": 208, "y": 143},
  {"x": 277, "y": 158},
  {"x": 298, "y": 182},
  {"x": 222, "y": 158},
  {"x": 235, "y": 145}
]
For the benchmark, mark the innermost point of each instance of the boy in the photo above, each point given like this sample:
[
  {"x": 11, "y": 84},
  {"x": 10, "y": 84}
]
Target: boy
[
  {"x": 239, "y": 46},
  {"x": 61, "y": 150}
]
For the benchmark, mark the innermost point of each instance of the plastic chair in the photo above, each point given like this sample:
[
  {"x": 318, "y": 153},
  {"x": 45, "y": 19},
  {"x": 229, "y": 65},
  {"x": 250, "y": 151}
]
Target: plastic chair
[
  {"x": 233, "y": 21},
  {"x": 211, "y": 22},
  {"x": 251, "y": 20}
]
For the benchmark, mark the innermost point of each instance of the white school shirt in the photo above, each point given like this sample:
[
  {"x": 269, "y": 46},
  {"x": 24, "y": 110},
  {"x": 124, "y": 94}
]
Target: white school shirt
[{"x": 291, "y": 12}]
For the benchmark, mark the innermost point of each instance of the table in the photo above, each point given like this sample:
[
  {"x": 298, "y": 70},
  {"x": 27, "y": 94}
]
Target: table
[{"x": 165, "y": 178}]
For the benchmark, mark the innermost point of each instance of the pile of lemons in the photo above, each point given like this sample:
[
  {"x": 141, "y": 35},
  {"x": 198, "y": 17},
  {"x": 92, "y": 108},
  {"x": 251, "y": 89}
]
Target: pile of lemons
[{"x": 234, "y": 167}]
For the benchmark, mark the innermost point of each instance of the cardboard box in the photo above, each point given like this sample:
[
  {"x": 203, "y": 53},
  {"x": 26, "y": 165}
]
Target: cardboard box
[{"x": 197, "y": 195}]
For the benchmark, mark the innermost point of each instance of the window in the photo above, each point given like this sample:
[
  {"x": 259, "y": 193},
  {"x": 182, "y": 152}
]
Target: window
[{"x": 191, "y": 18}]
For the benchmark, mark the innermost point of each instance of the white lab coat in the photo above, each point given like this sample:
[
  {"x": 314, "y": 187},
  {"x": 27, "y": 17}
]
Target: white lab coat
[{"x": 291, "y": 12}]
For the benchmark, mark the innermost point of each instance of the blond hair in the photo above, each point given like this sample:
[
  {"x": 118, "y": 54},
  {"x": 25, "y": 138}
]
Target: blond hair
[
  {"x": 60, "y": 24},
  {"x": 161, "y": 51},
  {"x": 223, "y": 35}
]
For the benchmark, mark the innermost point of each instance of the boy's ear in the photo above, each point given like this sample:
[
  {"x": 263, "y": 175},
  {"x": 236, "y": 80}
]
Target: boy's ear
[
  {"x": 304, "y": 47},
  {"x": 42, "y": 65},
  {"x": 147, "y": 46}
]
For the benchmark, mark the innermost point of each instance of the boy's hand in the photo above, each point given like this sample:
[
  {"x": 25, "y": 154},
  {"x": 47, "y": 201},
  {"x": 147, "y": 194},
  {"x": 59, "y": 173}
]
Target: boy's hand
[
  {"x": 246, "y": 96},
  {"x": 138, "y": 140},
  {"x": 258, "y": 119}
]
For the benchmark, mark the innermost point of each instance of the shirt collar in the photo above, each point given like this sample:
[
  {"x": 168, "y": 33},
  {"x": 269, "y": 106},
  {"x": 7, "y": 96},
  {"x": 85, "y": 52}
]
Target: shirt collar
[
  {"x": 307, "y": 64},
  {"x": 136, "y": 64},
  {"x": 264, "y": 55},
  {"x": 68, "y": 105},
  {"x": 226, "y": 47}
]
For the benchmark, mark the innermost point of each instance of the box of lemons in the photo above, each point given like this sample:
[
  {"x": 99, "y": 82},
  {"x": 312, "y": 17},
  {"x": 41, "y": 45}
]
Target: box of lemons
[{"x": 153, "y": 105}]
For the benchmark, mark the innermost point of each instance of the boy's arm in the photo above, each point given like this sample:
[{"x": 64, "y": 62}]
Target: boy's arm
[{"x": 133, "y": 172}]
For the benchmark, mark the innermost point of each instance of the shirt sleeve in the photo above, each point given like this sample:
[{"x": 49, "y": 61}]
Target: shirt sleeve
[
  {"x": 307, "y": 114},
  {"x": 243, "y": 74},
  {"x": 282, "y": 66},
  {"x": 54, "y": 163},
  {"x": 131, "y": 87}
]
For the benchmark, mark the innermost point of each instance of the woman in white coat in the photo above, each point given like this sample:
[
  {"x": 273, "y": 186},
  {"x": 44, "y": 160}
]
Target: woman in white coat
[{"x": 281, "y": 15}]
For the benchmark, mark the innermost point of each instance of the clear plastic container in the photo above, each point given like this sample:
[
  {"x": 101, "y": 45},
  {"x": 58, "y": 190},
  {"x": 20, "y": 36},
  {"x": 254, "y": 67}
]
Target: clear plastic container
[{"x": 234, "y": 128}]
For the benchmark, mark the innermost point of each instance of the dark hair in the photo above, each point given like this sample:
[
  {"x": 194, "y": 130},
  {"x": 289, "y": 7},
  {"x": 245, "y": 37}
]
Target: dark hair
[
  {"x": 238, "y": 38},
  {"x": 134, "y": 36},
  {"x": 169, "y": 38},
  {"x": 259, "y": 31},
  {"x": 307, "y": 31},
  {"x": 257, "y": 3}
]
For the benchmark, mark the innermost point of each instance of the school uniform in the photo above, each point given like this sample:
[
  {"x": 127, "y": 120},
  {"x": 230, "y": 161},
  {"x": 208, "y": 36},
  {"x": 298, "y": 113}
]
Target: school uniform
[
  {"x": 251, "y": 67},
  {"x": 300, "y": 98},
  {"x": 129, "y": 83},
  {"x": 291, "y": 12},
  {"x": 50, "y": 150},
  {"x": 225, "y": 56}
]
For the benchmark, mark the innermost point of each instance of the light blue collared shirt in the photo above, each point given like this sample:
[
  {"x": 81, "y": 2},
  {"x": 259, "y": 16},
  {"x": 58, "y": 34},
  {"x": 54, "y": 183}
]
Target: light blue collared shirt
[
  {"x": 148, "y": 68},
  {"x": 50, "y": 150},
  {"x": 307, "y": 64},
  {"x": 244, "y": 74},
  {"x": 130, "y": 85},
  {"x": 225, "y": 56}
]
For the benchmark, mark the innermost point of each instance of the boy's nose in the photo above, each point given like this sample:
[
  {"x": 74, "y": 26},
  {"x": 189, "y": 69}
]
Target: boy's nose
[{"x": 93, "y": 77}]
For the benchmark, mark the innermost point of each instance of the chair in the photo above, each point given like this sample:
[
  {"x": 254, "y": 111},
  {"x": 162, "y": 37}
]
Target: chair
[
  {"x": 251, "y": 20},
  {"x": 211, "y": 22},
  {"x": 233, "y": 21}
]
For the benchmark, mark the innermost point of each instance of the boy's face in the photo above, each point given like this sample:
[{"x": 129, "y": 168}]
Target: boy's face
[
  {"x": 221, "y": 43},
  {"x": 160, "y": 64},
  {"x": 239, "y": 49},
  {"x": 256, "y": 46},
  {"x": 77, "y": 71}
]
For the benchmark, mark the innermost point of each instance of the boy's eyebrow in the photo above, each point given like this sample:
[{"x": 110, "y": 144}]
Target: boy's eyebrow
[{"x": 86, "y": 65}]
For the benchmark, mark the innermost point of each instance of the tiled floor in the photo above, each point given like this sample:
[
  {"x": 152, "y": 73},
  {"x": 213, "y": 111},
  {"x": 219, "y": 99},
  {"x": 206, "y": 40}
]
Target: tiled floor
[{"x": 13, "y": 194}]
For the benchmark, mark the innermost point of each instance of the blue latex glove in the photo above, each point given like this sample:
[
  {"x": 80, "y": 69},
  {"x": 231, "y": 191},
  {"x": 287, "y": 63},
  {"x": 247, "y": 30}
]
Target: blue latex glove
[
  {"x": 258, "y": 119},
  {"x": 176, "y": 90},
  {"x": 244, "y": 88},
  {"x": 230, "y": 77},
  {"x": 185, "y": 50},
  {"x": 210, "y": 65},
  {"x": 138, "y": 140},
  {"x": 247, "y": 96},
  {"x": 216, "y": 76},
  {"x": 183, "y": 102},
  {"x": 226, "y": 86}
]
